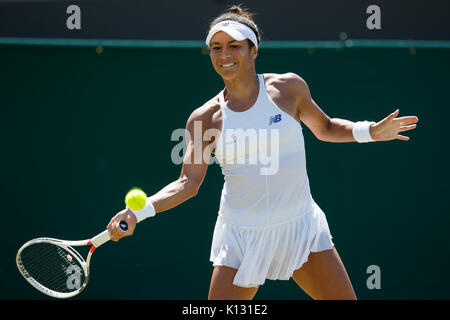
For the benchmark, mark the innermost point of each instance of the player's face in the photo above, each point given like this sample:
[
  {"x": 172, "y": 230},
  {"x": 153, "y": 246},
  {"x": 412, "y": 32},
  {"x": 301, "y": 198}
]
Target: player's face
[{"x": 231, "y": 58}]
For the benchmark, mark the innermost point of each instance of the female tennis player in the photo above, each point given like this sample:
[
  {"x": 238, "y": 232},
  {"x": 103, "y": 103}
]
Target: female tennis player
[{"x": 268, "y": 226}]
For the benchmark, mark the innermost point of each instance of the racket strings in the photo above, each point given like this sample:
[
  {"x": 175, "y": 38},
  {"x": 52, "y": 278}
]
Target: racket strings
[{"x": 53, "y": 267}]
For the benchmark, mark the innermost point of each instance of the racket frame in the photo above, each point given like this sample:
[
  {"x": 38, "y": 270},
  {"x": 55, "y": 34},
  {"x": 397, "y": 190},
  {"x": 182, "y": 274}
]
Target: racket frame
[{"x": 95, "y": 242}]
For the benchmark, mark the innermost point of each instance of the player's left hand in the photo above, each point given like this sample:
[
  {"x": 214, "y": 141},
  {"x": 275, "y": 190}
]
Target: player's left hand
[{"x": 390, "y": 127}]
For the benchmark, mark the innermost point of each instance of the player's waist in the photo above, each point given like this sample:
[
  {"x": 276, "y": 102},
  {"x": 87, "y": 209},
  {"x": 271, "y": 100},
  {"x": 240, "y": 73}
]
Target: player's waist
[
  {"x": 265, "y": 211},
  {"x": 261, "y": 219}
]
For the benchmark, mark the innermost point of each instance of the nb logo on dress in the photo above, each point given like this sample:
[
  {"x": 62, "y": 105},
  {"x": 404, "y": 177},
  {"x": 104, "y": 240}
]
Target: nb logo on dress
[{"x": 274, "y": 119}]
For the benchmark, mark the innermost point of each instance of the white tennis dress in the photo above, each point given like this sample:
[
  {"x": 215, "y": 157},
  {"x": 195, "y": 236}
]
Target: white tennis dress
[{"x": 268, "y": 222}]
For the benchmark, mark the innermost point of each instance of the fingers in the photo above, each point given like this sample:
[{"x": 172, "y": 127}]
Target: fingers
[
  {"x": 112, "y": 229},
  {"x": 403, "y": 120},
  {"x": 407, "y": 120},
  {"x": 406, "y": 123},
  {"x": 400, "y": 137},
  {"x": 407, "y": 128},
  {"x": 392, "y": 126},
  {"x": 391, "y": 117},
  {"x": 115, "y": 232},
  {"x": 394, "y": 114}
]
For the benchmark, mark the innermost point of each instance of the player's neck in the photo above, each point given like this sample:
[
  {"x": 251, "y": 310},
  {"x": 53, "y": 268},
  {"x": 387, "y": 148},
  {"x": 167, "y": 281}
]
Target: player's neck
[{"x": 243, "y": 89}]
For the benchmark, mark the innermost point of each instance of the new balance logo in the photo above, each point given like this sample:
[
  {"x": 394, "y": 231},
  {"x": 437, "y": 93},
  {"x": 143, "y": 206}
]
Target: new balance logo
[{"x": 275, "y": 119}]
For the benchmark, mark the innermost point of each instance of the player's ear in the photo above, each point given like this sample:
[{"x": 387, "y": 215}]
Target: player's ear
[{"x": 254, "y": 52}]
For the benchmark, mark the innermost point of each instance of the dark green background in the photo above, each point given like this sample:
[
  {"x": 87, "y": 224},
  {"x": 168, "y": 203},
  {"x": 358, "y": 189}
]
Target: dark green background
[{"x": 78, "y": 129}]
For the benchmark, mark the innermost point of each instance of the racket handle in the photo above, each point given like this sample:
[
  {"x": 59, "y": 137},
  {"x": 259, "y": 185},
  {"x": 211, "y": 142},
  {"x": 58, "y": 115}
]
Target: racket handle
[
  {"x": 123, "y": 226},
  {"x": 100, "y": 239},
  {"x": 103, "y": 237}
]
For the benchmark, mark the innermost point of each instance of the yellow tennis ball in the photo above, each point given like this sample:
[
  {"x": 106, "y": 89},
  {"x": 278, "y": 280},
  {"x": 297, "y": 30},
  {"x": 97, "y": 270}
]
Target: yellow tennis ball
[{"x": 135, "y": 199}]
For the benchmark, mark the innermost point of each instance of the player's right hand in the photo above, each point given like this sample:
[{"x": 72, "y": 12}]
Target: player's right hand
[{"x": 115, "y": 232}]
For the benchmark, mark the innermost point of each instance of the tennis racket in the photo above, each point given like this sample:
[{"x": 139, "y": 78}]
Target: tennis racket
[{"x": 54, "y": 267}]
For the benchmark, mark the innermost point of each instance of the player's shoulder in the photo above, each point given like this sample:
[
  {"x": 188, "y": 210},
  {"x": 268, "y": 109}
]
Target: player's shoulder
[
  {"x": 289, "y": 80},
  {"x": 205, "y": 112},
  {"x": 288, "y": 84}
]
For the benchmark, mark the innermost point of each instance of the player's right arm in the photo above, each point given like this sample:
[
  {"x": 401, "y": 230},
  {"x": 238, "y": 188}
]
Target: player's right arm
[{"x": 193, "y": 172}]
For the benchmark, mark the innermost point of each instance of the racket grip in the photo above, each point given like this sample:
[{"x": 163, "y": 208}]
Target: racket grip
[
  {"x": 103, "y": 237},
  {"x": 100, "y": 239}
]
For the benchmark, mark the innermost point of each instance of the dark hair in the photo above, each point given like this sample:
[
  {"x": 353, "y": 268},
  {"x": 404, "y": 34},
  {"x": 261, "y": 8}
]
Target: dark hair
[{"x": 239, "y": 14}]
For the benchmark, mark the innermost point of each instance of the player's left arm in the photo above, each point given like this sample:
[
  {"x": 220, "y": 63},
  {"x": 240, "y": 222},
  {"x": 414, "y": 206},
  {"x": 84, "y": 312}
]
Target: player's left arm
[{"x": 341, "y": 130}]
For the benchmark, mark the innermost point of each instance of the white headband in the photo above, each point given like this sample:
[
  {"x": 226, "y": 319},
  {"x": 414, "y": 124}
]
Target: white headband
[{"x": 236, "y": 30}]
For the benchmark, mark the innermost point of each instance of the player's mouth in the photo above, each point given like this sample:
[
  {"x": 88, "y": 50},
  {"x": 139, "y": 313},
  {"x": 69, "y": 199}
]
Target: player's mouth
[{"x": 228, "y": 65}]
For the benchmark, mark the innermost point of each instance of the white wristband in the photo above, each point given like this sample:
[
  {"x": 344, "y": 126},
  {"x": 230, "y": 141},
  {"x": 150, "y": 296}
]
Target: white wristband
[
  {"x": 146, "y": 212},
  {"x": 361, "y": 131}
]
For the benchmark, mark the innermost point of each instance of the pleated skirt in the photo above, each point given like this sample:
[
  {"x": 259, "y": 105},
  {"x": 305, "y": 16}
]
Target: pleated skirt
[{"x": 272, "y": 252}]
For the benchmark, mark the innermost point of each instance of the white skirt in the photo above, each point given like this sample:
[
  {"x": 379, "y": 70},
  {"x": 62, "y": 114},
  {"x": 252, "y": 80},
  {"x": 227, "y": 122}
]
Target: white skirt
[{"x": 272, "y": 252}]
